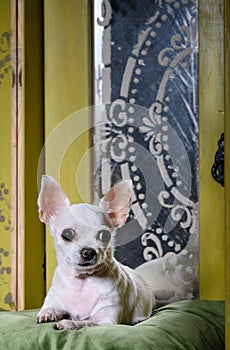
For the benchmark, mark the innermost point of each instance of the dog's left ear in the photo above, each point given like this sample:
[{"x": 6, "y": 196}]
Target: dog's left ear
[{"x": 117, "y": 202}]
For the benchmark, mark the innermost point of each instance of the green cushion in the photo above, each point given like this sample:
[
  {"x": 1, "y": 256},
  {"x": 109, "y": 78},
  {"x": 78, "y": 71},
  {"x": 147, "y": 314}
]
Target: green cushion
[{"x": 186, "y": 325}]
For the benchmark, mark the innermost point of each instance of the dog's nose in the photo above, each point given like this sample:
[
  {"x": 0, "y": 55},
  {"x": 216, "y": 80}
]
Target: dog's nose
[{"x": 88, "y": 254}]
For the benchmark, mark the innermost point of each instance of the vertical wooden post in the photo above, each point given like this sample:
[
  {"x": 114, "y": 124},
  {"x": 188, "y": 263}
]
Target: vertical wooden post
[
  {"x": 211, "y": 126},
  {"x": 227, "y": 166},
  {"x": 17, "y": 156},
  {"x": 6, "y": 271}
]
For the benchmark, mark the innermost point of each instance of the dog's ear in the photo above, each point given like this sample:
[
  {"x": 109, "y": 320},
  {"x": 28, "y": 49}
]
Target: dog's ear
[
  {"x": 117, "y": 202},
  {"x": 51, "y": 199}
]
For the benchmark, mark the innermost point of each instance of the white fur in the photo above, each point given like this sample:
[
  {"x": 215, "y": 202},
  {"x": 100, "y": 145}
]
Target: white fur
[{"x": 95, "y": 291}]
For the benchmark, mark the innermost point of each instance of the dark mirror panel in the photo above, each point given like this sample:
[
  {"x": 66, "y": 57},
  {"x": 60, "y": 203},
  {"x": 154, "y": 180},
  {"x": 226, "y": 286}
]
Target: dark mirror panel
[{"x": 146, "y": 78}]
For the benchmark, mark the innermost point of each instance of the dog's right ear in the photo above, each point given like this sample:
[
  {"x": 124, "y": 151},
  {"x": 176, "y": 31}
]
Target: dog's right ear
[{"x": 51, "y": 199}]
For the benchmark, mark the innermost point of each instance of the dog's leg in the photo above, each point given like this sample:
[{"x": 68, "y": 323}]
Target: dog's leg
[
  {"x": 71, "y": 325},
  {"x": 105, "y": 316}
]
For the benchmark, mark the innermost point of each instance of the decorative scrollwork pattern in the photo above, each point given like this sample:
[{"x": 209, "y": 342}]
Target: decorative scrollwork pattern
[
  {"x": 150, "y": 132},
  {"x": 5, "y": 57},
  {"x": 218, "y": 166}
]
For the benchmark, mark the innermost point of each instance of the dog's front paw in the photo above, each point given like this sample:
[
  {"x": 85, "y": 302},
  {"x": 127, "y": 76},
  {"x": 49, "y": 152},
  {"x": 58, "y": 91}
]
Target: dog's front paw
[
  {"x": 66, "y": 324},
  {"x": 47, "y": 315},
  {"x": 71, "y": 325}
]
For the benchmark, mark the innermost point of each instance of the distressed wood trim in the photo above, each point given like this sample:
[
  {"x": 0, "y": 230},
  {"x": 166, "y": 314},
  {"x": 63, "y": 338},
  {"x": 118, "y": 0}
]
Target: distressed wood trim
[
  {"x": 227, "y": 165},
  {"x": 17, "y": 156},
  {"x": 211, "y": 126}
]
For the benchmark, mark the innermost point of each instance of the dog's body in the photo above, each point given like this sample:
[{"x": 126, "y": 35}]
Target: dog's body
[{"x": 89, "y": 286}]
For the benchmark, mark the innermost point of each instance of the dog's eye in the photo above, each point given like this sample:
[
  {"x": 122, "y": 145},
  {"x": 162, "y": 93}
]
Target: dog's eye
[
  {"x": 68, "y": 234},
  {"x": 104, "y": 236}
]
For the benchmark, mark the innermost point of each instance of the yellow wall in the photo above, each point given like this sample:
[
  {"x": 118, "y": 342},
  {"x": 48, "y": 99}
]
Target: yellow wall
[
  {"x": 211, "y": 125},
  {"x": 5, "y": 146},
  {"x": 67, "y": 90}
]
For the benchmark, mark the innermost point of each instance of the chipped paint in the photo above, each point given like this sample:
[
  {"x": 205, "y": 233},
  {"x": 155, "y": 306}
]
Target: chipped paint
[
  {"x": 5, "y": 253},
  {"x": 6, "y": 273}
]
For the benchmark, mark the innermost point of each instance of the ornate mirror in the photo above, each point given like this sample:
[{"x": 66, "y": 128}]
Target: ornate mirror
[{"x": 145, "y": 80}]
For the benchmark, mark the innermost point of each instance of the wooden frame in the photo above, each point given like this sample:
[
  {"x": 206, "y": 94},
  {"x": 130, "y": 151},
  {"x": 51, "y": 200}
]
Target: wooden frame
[
  {"x": 6, "y": 271},
  {"x": 17, "y": 156}
]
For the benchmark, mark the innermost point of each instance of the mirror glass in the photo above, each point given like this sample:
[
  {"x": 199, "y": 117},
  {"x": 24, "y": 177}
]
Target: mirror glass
[{"x": 146, "y": 129}]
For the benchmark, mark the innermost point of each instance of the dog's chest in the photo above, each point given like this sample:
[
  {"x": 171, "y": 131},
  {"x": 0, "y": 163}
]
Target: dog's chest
[{"x": 83, "y": 295}]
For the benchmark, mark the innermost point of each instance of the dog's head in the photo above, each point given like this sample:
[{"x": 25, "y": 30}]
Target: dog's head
[{"x": 83, "y": 233}]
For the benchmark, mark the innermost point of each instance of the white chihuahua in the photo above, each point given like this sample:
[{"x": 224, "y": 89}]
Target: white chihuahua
[{"x": 90, "y": 287}]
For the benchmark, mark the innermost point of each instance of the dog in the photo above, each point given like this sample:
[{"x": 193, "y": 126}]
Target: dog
[{"x": 90, "y": 287}]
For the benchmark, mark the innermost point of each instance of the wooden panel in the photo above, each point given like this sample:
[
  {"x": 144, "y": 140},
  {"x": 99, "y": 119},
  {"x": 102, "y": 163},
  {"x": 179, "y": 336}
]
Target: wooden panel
[
  {"x": 211, "y": 117},
  {"x": 6, "y": 271},
  {"x": 21, "y": 235},
  {"x": 17, "y": 208},
  {"x": 27, "y": 130},
  {"x": 67, "y": 89},
  {"x": 33, "y": 138},
  {"x": 227, "y": 167}
]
